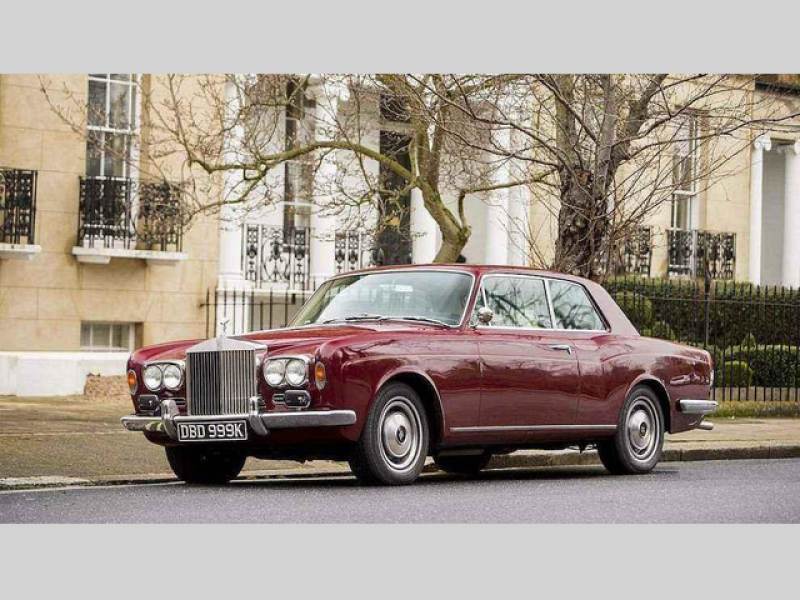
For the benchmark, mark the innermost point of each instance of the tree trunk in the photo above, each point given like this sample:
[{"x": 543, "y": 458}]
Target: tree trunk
[
  {"x": 582, "y": 222},
  {"x": 454, "y": 233},
  {"x": 451, "y": 249}
]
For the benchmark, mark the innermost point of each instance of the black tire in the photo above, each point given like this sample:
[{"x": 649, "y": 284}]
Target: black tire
[
  {"x": 204, "y": 464},
  {"x": 394, "y": 442},
  {"x": 468, "y": 465},
  {"x": 638, "y": 442}
]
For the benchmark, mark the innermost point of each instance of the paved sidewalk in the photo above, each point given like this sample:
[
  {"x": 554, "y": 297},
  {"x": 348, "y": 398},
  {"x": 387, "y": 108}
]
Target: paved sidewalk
[{"x": 48, "y": 441}]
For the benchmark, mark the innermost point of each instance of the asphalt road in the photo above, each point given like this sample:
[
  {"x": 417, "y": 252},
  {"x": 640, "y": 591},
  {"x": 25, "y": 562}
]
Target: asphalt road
[{"x": 700, "y": 492}]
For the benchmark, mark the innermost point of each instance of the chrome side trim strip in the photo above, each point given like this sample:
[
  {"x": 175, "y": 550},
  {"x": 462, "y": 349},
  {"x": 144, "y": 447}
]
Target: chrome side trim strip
[
  {"x": 532, "y": 428},
  {"x": 697, "y": 407}
]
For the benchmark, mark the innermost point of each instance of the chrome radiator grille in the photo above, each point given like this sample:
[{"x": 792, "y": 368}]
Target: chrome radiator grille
[{"x": 221, "y": 382}]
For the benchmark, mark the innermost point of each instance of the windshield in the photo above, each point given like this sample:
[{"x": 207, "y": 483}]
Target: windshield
[{"x": 432, "y": 296}]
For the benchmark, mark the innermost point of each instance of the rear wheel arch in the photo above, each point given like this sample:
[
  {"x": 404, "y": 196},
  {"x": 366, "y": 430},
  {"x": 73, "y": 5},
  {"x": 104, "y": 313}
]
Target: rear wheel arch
[{"x": 661, "y": 393}]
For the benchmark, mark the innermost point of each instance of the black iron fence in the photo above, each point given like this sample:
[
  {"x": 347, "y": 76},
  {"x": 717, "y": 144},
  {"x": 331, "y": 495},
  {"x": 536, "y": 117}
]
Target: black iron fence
[
  {"x": 752, "y": 332},
  {"x": 241, "y": 311},
  {"x": 123, "y": 213},
  {"x": 17, "y": 206}
]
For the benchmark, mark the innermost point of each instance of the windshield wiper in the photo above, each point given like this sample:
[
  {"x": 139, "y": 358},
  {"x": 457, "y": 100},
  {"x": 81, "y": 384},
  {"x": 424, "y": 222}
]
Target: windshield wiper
[
  {"x": 361, "y": 317},
  {"x": 369, "y": 317},
  {"x": 422, "y": 319}
]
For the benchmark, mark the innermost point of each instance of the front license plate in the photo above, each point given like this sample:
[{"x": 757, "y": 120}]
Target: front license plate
[{"x": 212, "y": 431}]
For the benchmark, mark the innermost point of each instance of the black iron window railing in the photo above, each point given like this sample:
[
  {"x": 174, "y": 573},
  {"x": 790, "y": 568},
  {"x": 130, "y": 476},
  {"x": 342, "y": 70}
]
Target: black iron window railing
[
  {"x": 633, "y": 253},
  {"x": 273, "y": 255},
  {"x": 122, "y": 213},
  {"x": 17, "y": 206},
  {"x": 701, "y": 253},
  {"x": 354, "y": 249}
]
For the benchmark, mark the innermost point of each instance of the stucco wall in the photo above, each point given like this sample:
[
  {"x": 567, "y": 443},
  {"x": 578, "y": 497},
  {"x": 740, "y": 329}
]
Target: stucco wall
[{"x": 44, "y": 300}]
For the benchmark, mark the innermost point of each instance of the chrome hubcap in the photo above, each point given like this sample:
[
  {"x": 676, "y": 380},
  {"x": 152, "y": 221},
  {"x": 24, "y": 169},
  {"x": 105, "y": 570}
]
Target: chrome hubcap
[
  {"x": 400, "y": 434},
  {"x": 643, "y": 429}
]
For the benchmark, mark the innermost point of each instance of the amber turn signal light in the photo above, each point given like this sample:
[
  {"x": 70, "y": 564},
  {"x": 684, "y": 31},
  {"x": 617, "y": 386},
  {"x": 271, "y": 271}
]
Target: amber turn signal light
[
  {"x": 132, "y": 381},
  {"x": 320, "y": 378}
]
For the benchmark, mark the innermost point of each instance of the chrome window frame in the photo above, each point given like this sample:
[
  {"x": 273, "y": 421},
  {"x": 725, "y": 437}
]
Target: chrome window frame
[
  {"x": 482, "y": 293},
  {"x": 546, "y": 280},
  {"x": 467, "y": 305}
]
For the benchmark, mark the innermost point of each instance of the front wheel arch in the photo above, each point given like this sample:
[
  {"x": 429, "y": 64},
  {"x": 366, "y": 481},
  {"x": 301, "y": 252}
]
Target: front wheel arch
[{"x": 429, "y": 395}]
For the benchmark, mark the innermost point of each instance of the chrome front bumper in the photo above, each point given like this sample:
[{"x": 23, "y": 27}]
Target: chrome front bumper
[{"x": 260, "y": 422}]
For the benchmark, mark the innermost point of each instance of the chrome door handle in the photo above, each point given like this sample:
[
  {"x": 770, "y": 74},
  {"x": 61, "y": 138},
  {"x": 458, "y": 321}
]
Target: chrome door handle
[{"x": 563, "y": 347}]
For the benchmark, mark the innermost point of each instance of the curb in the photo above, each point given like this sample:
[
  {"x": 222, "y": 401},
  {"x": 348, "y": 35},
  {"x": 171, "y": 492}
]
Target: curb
[
  {"x": 565, "y": 458},
  {"x": 519, "y": 460}
]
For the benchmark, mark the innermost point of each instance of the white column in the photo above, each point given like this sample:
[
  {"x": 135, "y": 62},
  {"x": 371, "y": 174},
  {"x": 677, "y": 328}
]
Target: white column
[
  {"x": 791, "y": 214},
  {"x": 230, "y": 250},
  {"x": 496, "y": 242},
  {"x": 760, "y": 144},
  {"x": 322, "y": 245},
  {"x": 230, "y": 224},
  {"x": 423, "y": 230},
  {"x": 518, "y": 234}
]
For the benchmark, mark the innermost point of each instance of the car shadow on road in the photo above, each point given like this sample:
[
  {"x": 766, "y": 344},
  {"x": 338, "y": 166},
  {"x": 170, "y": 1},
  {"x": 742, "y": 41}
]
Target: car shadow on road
[{"x": 345, "y": 480}]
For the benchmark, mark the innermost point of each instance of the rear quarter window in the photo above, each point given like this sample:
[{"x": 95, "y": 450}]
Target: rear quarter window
[{"x": 573, "y": 308}]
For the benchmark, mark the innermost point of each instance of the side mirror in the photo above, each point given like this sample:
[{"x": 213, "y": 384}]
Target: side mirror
[{"x": 485, "y": 315}]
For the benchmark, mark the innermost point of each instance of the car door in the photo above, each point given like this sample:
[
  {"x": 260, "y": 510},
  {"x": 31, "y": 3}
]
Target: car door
[
  {"x": 579, "y": 323},
  {"x": 530, "y": 378}
]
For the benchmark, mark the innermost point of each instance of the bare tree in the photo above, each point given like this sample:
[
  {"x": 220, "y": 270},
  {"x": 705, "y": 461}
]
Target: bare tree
[
  {"x": 600, "y": 152},
  {"x": 608, "y": 150},
  {"x": 236, "y": 128}
]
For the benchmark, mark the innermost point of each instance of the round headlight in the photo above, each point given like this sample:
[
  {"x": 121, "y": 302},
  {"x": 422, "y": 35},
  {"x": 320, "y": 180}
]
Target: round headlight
[
  {"x": 152, "y": 377},
  {"x": 173, "y": 377},
  {"x": 273, "y": 372},
  {"x": 296, "y": 372}
]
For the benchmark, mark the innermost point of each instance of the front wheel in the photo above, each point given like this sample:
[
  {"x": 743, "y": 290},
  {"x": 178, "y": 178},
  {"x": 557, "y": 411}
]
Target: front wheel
[
  {"x": 394, "y": 442},
  {"x": 203, "y": 464},
  {"x": 637, "y": 444}
]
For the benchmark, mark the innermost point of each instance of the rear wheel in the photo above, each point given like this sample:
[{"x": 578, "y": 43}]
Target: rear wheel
[
  {"x": 204, "y": 464},
  {"x": 394, "y": 443},
  {"x": 637, "y": 444},
  {"x": 463, "y": 465}
]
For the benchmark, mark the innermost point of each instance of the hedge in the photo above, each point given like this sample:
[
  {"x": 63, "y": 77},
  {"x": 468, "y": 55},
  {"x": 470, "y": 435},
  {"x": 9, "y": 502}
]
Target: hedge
[
  {"x": 638, "y": 309},
  {"x": 661, "y": 330},
  {"x": 772, "y": 365},
  {"x": 735, "y": 310},
  {"x": 733, "y": 373}
]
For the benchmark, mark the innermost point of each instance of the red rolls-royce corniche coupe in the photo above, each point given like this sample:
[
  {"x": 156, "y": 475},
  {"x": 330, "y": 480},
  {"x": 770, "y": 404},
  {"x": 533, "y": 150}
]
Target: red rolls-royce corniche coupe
[{"x": 387, "y": 366}]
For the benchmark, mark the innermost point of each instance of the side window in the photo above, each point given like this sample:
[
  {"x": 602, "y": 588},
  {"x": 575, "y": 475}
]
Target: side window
[
  {"x": 572, "y": 307},
  {"x": 516, "y": 302}
]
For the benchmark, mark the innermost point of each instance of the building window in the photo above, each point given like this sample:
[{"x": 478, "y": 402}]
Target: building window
[
  {"x": 111, "y": 125},
  {"x": 107, "y": 337},
  {"x": 684, "y": 172}
]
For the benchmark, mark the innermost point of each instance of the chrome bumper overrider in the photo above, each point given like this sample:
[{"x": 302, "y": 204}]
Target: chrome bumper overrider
[
  {"x": 260, "y": 422},
  {"x": 699, "y": 407}
]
